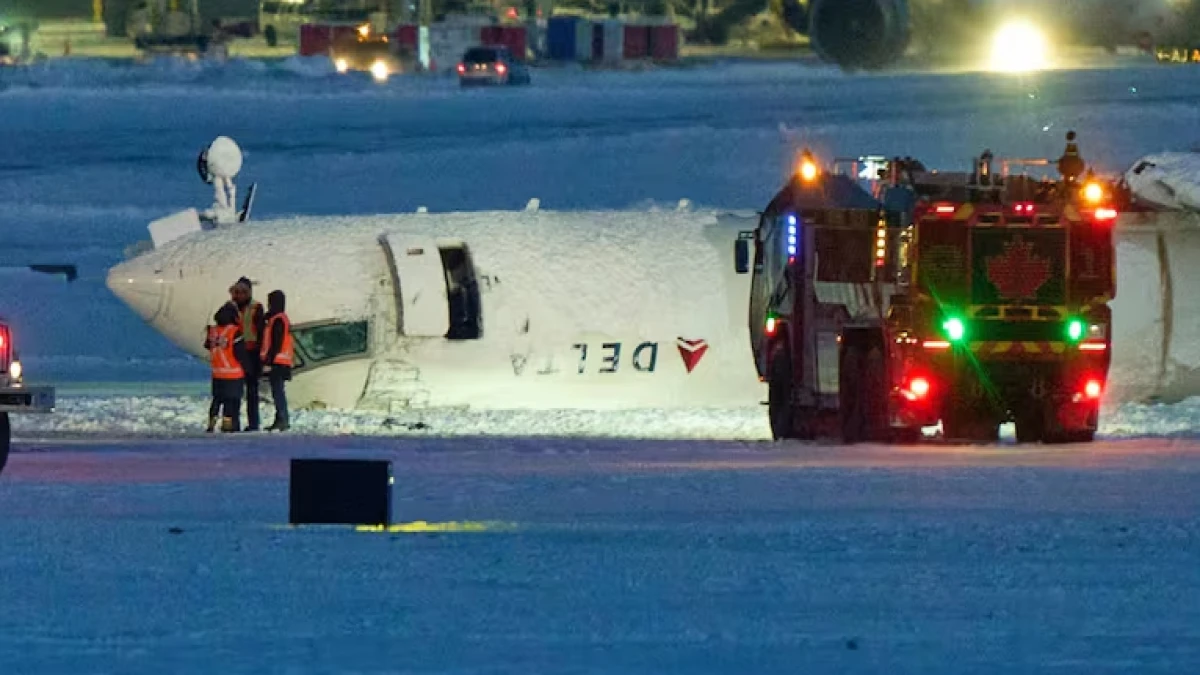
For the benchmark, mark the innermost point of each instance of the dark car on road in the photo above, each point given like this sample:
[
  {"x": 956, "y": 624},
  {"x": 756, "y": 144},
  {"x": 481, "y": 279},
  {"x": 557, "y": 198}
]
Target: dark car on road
[{"x": 491, "y": 66}]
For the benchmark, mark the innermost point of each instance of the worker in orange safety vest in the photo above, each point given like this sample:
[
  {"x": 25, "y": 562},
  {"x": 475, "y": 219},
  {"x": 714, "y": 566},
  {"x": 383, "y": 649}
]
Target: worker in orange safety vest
[
  {"x": 227, "y": 353},
  {"x": 278, "y": 356}
]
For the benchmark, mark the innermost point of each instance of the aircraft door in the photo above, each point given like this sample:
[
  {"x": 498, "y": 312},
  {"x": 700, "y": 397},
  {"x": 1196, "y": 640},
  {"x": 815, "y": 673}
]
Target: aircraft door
[{"x": 420, "y": 281}]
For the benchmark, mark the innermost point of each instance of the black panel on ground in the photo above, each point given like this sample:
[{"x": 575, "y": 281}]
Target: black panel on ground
[{"x": 340, "y": 491}]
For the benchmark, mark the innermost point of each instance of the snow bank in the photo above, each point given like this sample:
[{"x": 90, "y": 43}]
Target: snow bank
[{"x": 124, "y": 416}]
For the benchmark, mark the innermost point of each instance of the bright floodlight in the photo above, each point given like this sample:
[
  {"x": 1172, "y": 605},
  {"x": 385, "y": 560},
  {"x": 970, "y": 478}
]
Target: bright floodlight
[
  {"x": 1019, "y": 47},
  {"x": 379, "y": 71}
]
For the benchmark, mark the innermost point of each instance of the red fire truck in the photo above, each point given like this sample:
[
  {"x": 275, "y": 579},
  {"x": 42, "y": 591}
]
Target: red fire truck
[{"x": 883, "y": 306}]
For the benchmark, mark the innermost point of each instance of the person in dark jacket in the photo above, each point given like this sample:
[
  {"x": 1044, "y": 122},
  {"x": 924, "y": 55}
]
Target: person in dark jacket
[
  {"x": 227, "y": 352},
  {"x": 252, "y": 323},
  {"x": 277, "y": 356}
]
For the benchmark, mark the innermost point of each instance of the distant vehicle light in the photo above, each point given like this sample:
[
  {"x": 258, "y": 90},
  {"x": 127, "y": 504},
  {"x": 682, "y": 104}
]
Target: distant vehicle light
[
  {"x": 462, "y": 69},
  {"x": 379, "y": 71},
  {"x": 364, "y": 30},
  {"x": 1105, "y": 214},
  {"x": 16, "y": 370},
  {"x": 501, "y": 68},
  {"x": 342, "y": 65},
  {"x": 1093, "y": 193},
  {"x": 1019, "y": 47}
]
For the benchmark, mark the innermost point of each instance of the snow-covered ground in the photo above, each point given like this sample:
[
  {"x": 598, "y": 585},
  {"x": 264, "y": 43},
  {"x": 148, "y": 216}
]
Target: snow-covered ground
[{"x": 605, "y": 557}]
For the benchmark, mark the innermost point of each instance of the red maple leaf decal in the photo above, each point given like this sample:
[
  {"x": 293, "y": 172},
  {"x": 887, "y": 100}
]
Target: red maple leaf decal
[
  {"x": 1017, "y": 273},
  {"x": 691, "y": 351}
]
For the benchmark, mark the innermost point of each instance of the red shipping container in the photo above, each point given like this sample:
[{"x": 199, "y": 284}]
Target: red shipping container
[
  {"x": 637, "y": 42},
  {"x": 512, "y": 37},
  {"x": 664, "y": 43},
  {"x": 406, "y": 35}
]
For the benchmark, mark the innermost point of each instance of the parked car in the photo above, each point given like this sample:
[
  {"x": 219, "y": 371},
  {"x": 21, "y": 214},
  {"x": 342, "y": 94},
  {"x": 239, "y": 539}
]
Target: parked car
[{"x": 491, "y": 65}]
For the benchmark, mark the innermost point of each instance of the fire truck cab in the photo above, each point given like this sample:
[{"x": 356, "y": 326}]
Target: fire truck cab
[{"x": 889, "y": 298}]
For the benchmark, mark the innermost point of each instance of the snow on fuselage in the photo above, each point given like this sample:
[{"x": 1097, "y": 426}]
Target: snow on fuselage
[{"x": 573, "y": 309}]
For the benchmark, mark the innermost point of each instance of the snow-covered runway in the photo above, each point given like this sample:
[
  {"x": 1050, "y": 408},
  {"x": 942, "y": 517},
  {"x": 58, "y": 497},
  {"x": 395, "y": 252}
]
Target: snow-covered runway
[{"x": 611, "y": 557}]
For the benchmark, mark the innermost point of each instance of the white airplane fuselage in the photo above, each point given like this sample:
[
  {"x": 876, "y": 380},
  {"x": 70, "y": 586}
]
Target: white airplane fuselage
[{"x": 569, "y": 309}]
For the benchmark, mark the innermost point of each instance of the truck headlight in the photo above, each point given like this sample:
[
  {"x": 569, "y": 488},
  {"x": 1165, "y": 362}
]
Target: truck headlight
[
  {"x": 379, "y": 70},
  {"x": 15, "y": 370}
]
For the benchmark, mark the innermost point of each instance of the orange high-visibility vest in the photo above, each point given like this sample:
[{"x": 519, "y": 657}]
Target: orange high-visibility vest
[
  {"x": 225, "y": 365},
  {"x": 284, "y": 357}
]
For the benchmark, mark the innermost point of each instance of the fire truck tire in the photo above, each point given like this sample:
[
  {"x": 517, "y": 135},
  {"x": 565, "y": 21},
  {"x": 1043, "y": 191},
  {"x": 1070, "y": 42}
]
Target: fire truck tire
[
  {"x": 1030, "y": 427},
  {"x": 5, "y": 440},
  {"x": 1064, "y": 437},
  {"x": 875, "y": 396},
  {"x": 779, "y": 395}
]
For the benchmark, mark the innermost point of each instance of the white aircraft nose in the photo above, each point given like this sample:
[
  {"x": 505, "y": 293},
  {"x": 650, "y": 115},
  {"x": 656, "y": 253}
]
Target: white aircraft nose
[{"x": 137, "y": 283}]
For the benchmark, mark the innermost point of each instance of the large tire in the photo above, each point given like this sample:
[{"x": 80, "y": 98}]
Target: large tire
[
  {"x": 851, "y": 396},
  {"x": 1031, "y": 426},
  {"x": 779, "y": 395},
  {"x": 272, "y": 36},
  {"x": 5, "y": 440},
  {"x": 875, "y": 396}
]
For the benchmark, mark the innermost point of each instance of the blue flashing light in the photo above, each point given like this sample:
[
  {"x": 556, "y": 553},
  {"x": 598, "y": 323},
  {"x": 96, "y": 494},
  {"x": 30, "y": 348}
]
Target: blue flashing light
[{"x": 792, "y": 239}]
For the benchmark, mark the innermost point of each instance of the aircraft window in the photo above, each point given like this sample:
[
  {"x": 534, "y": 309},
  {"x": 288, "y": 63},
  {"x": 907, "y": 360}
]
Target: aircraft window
[{"x": 331, "y": 341}]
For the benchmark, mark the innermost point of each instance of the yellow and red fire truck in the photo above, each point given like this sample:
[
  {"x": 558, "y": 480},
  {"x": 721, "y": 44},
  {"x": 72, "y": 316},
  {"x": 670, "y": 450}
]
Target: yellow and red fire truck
[{"x": 887, "y": 298}]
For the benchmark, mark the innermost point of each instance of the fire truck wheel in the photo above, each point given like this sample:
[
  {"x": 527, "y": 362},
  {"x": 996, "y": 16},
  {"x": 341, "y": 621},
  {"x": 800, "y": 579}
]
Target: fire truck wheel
[
  {"x": 779, "y": 395},
  {"x": 850, "y": 396},
  {"x": 272, "y": 36},
  {"x": 1063, "y": 437},
  {"x": 875, "y": 396},
  {"x": 1030, "y": 427},
  {"x": 5, "y": 440}
]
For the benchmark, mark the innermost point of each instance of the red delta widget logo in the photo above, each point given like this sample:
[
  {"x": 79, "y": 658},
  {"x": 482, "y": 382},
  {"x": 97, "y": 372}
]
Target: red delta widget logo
[{"x": 642, "y": 358}]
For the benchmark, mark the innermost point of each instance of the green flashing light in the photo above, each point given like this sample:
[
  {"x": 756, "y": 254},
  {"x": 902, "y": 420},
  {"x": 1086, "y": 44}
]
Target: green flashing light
[
  {"x": 1075, "y": 330},
  {"x": 955, "y": 329}
]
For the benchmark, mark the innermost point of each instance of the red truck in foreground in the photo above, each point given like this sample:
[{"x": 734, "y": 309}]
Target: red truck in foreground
[{"x": 892, "y": 298}]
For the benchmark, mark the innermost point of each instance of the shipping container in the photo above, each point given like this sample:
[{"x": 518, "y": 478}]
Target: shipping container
[
  {"x": 512, "y": 37},
  {"x": 569, "y": 38},
  {"x": 637, "y": 42},
  {"x": 407, "y": 35},
  {"x": 612, "y": 44},
  {"x": 317, "y": 39},
  {"x": 664, "y": 42}
]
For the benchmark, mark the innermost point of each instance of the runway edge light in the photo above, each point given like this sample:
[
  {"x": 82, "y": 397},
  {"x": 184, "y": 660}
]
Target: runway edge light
[{"x": 340, "y": 492}]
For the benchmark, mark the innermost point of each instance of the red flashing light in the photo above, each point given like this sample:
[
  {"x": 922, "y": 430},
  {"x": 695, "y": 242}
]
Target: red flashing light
[
  {"x": 772, "y": 326},
  {"x": 1093, "y": 347},
  {"x": 1023, "y": 208},
  {"x": 1105, "y": 215},
  {"x": 462, "y": 69},
  {"x": 1092, "y": 389},
  {"x": 944, "y": 209},
  {"x": 936, "y": 344},
  {"x": 2, "y": 340},
  {"x": 501, "y": 68}
]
